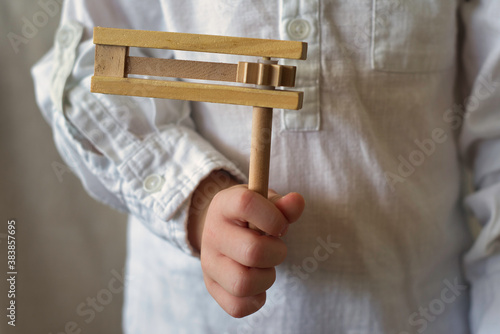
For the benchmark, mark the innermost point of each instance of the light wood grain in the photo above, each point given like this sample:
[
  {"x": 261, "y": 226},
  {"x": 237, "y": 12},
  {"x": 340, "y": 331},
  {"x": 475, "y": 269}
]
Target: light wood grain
[
  {"x": 198, "y": 92},
  {"x": 110, "y": 60},
  {"x": 266, "y": 74},
  {"x": 260, "y": 152},
  {"x": 176, "y": 68},
  {"x": 243, "y": 72},
  {"x": 201, "y": 43}
]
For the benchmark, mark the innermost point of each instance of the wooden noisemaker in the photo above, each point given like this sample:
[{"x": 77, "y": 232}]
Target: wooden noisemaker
[{"x": 258, "y": 80}]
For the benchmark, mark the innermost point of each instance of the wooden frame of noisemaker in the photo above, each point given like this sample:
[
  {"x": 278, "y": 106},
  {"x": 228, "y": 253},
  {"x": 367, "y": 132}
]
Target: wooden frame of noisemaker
[{"x": 113, "y": 65}]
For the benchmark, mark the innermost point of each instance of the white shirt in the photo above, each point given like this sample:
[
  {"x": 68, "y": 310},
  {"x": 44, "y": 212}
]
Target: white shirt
[{"x": 396, "y": 103}]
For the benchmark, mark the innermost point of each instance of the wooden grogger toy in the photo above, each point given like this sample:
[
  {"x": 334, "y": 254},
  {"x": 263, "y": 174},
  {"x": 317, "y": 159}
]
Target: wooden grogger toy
[{"x": 113, "y": 65}]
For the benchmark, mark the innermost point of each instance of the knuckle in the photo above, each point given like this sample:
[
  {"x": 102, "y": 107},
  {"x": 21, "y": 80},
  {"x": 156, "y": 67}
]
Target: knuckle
[
  {"x": 209, "y": 284},
  {"x": 205, "y": 265},
  {"x": 265, "y": 253},
  {"x": 218, "y": 197},
  {"x": 241, "y": 285},
  {"x": 282, "y": 253},
  {"x": 279, "y": 222},
  {"x": 278, "y": 226},
  {"x": 237, "y": 310},
  {"x": 245, "y": 201},
  {"x": 253, "y": 253},
  {"x": 271, "y": 278},
  {"x": 242, "y": 307},
  {"x": 209, "y": 230}
]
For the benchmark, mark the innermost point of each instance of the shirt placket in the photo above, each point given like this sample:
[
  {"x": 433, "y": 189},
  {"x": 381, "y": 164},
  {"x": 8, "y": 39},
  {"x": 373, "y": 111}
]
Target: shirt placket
[{"x": 299, "y": 20}]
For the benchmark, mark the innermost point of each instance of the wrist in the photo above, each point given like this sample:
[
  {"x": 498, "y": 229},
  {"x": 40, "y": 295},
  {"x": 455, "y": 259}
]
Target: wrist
[{"x": 200, "y": 202}]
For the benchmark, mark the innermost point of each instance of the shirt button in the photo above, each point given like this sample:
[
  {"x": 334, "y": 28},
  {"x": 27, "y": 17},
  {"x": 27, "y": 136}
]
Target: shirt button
[
  {"x": 96, "y": 136},
  {"x": 299, "y": 29},
  {"x": 153, "y": 183},
  {"x": 108, "y": 124},
  {"x": 64, "y": 36}
]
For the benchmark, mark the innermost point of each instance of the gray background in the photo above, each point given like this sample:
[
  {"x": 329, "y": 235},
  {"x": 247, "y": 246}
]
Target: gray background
[{"x": 69, "y": 245}]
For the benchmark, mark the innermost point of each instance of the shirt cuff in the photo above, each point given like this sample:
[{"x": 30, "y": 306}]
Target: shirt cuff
[{"x": 162, "y": 175}]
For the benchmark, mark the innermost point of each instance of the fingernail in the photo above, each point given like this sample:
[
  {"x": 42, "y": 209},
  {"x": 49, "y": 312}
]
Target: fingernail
[{"x": 284, "y": 230}]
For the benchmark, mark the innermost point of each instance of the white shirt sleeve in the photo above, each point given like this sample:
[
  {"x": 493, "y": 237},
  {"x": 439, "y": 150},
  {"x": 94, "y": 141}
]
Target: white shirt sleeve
[
  {"x": 138, "y": 155},
  {"x": 480, "y": 143}
]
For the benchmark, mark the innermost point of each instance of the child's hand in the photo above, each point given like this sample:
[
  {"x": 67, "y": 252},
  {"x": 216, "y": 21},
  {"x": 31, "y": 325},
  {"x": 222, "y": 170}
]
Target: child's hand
[{"x": 237, "y": 262}]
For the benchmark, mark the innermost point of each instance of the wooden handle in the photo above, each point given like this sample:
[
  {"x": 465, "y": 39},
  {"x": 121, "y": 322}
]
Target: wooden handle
[{"x": 260, "y": 153}]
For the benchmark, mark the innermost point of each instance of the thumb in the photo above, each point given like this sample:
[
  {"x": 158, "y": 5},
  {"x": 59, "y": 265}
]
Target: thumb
[{"x": 290, "y": 205}]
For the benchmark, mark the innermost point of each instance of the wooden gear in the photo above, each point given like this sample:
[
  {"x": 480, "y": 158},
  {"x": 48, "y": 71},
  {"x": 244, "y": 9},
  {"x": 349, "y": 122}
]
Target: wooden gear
[{"x": 113, "y": 65}]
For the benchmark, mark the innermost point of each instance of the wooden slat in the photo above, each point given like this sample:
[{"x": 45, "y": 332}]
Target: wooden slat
[
  {"x": 110, "y": 60},
  {"x": 197, "y": 92},
  {"x": 175, "y": 68},
  {"x": 201, "y": 43},
  {"x": 243, "y": 72}
]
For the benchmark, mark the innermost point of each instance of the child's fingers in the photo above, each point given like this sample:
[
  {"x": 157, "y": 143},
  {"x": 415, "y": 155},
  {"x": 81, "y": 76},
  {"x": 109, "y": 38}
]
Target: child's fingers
[
  {"x": 242, "y": 205},
  {"x": 237, "y": 307},
  {"x": 247, "y": 247},
  {"x": 238, "y": 280},
  {"x": 291, "y": 205}
]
